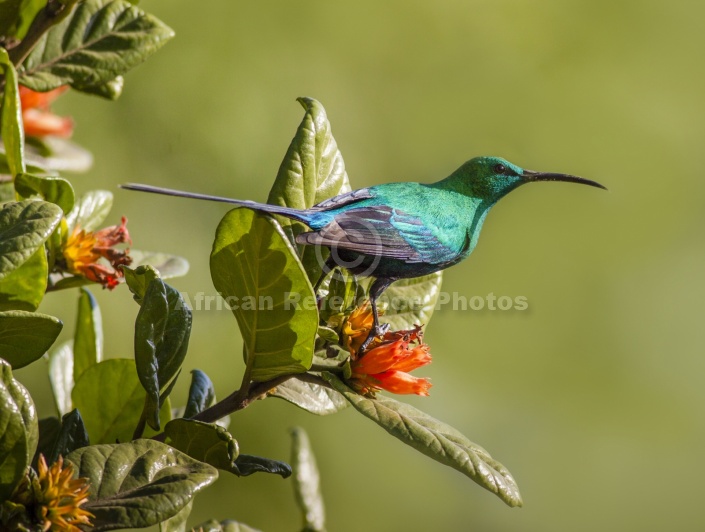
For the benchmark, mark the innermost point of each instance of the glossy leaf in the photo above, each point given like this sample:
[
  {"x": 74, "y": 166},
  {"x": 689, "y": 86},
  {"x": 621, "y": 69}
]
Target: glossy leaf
[
  {"x": 49, "y": 428},
  {"x": 11, "y": 128},
  {"x": 90, "y": 210},
  {"x": 24, "y": 227},
  {"x": 201, "y": 394},
  {"x": 51, "y": 188},
  {"x": 178, "y": 522},
  {"x": 307, "y": 482},
  {"x": 162, "y": 331},
  {"x": 61, "y": 376},
  {"x": 255, "y": 268},
  {"x": 206, "y": 442},
  {"x": 311, "y": 172},
  {"x": 138, "y": 279},
  {"x": 436, "y": 440},
  {"x": 110, "y": 398},
  {"x": 166, "y": 265},
  {"x": 26, "y": 336},
  {"x": 410, "y": 302},
  {"x": 98, "y": 41},
  {"x": 140, "y": 483},
  {"x": 19, "y": 432},
  {"x": 24, "y": 288},
  {"x": 313, "y": 398},
  {"x": 246, "y": 465},
  {"x": 88, "y": 336},
  {"x": 71, "y": 436}
]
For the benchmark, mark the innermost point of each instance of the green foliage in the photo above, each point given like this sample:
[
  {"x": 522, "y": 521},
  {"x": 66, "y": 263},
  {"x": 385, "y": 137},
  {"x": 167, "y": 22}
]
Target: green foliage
[
  {"x": 11, "y": 128},
  {"x": 26, "y": 336},
  {"x": 88, "y": 335},
  {"x": 436, "y": 440},
  {"x": 201, "y": 394},
  {"x": 314, "y": 398},
  {"x": 254, "y": 266},
  {"x": 412, "y": 301},
  {"x": 50, "y": 188},
  {"x": 71, "y": 435},
  {"x": 206, "y": 442},
  {"x": 140, "y": 483},
  {"x": 162, "y": 332},
  {"x": 307, "y": 482},
  {"x": 24, "y": 288},
  {"x": 18, "y": 430},
  {"x": 99, "y": 41}
]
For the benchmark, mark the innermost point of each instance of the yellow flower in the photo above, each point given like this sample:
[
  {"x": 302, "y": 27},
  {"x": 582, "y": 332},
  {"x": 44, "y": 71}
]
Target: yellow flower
[
  {"x": 83, "y": 250},
  {"x": 357, "y": 327}
]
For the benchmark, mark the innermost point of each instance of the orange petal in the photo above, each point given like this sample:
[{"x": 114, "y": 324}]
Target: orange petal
[{"x": 400, "y": 382}]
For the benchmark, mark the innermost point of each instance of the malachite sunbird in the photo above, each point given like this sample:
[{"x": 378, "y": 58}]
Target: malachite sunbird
[{"x": 401, "y": 230}]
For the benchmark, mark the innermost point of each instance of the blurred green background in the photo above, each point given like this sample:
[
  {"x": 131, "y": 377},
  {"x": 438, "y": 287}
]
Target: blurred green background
[{"x": 594, "y": 396}]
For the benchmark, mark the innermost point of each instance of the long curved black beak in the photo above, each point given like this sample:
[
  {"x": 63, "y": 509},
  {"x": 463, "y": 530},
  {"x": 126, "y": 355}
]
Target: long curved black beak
[{"x": 530, "y": 175}]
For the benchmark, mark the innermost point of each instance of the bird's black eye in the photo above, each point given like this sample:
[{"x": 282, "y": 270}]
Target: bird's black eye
[{"x": 499, "y": 168}]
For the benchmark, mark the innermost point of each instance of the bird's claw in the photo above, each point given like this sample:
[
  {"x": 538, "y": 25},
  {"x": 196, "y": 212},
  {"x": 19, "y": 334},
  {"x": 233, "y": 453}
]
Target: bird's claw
[{"x": 376, "y": 331}]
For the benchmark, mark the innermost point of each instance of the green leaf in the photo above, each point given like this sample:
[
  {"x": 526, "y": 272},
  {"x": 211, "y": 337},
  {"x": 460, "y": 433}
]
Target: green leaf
[
  {"x": 28, "y": 11},
  {"x": 19, "y": 431},
  {"x": 178, "y": 522},
  {"x": 313, "y": 398},
  {"x": 307, "y": 482},
  {"x": 56, "y": 154},
  {"x": 255, "y": 268},
  {"x": 24, "y": 227},
  {"x": 436, "y": 440},
  {"x": 49, "y": 428},
  {"x": 224, "y": 526},
  {"x": 138, "y": 484},
  {"x": 246, "y": 465},
  {"x": 61, "y": 375},
  {"x": 90, "y": 210},
  {"x": 51, "y": 188},
  {"x": 410, "y": 302},
  {"x": 24, "y": 288},
  {"x": 110, "y": 90},
  {"x": 167, "y": 266},
  {"x": 201, "y": 394},
  {"x": 26, "y": 336},
  {"x": 206, "y": 442},
  {"x": 162, "y": 331},
  {"x": 11, "y": 128},
  {"x": 100, "y": 40},
  {"x": 138, "y": 279},
  {"x": 343, "y": 293},
  {"x": 88, "y": 336},
  {"x": 110, "y": 398},
  {"x": 70, "y": 437},
  {"x": 9, "y": 16},
  {"x": 312, "y": 171}
]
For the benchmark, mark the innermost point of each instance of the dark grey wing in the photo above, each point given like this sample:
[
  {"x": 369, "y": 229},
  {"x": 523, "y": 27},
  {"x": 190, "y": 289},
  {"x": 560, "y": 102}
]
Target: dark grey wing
[
  {"x": 343, "y": 199},
  {"x": 383, "y": 232}
]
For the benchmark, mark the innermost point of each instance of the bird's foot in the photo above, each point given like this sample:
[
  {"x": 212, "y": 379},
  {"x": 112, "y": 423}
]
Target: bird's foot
[{"x": 379, "y": 330}]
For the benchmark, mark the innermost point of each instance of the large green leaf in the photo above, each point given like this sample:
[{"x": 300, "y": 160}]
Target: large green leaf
[
  {"x": 26, "y": 336},
  {"x": 138, "y": 280},
  {"x": 206, "y": 442},
  {"x": 110, "y": 398},
  {"x": 19, "y": 432},
  {"x": 138, "y": 484},
  {"x": 70, "y": 437},
  {"x": 307, "y": 482},
  {"x": 51, "y": 188},
  {"x": 178, "y": 522},
  {"x": 313, "y": 398},
  {"x": 88, "y": 336},
  {"x": 311, "y": 172},
  {"x": 24, "y": 227},
  {"x": 100, "y": 40},
  {"x": 201, "y": 394},
  {"x": 11, "y": 128},
  {"x": 436, "y": 440},
  {"x": 61, "y": 375},
  {"x": 410, "y": 302},
  {"x": 24, "y": 288},
  {"x": 162, "y": 331},
  {"x": 90, "y": 210},
  {"x": 255, "y": 268}
]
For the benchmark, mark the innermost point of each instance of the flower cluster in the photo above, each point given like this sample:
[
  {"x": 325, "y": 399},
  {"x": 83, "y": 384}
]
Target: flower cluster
[
  {"x": 37, "y": 117},
  {"x": 84, "y": 249},
  {"x": 386, "y": 364},
  {"x": 53, "y": 498}
]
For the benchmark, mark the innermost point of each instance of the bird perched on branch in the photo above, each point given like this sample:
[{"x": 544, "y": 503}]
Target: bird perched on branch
[{"x": 401, "y": 230}]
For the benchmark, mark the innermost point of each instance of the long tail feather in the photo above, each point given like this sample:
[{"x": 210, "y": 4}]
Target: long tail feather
[{"x": 264, "y": 207}]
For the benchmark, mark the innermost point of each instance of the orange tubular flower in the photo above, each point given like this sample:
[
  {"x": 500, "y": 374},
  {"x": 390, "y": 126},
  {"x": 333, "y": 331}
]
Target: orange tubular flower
[
  {"x": 38, "y": 119},
  {"x": 84, "y": 249},
  {"x": 59, "y": 497},
  {"x": 386, "y": 366},
  {"x": 357, "y": 326}
]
